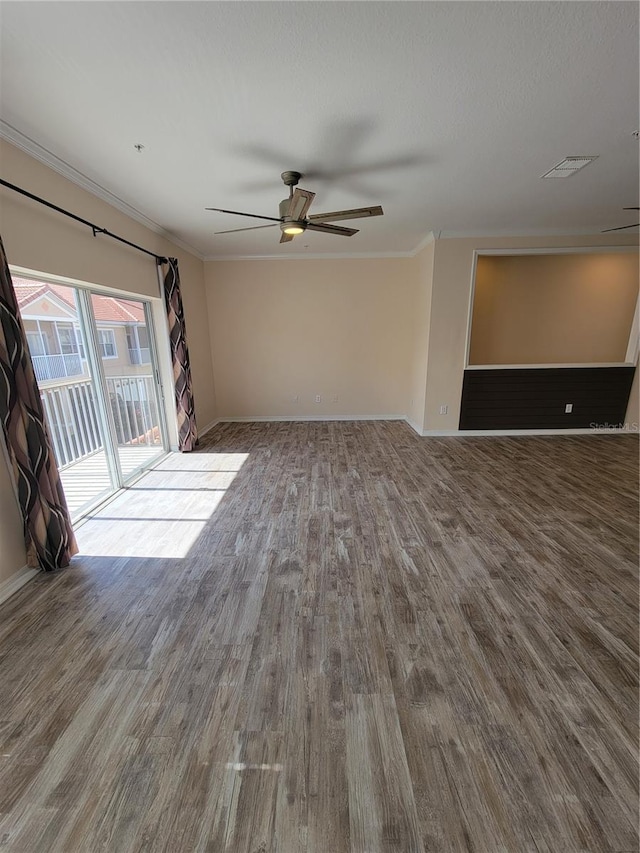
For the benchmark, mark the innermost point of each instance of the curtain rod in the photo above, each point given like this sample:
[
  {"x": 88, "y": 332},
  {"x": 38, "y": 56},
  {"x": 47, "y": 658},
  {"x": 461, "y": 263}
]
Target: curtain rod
[{"x": 95, "y": 228}]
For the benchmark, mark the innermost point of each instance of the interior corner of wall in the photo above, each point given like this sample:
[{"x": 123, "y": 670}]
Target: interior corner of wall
[
  {"x": 415, "y": 425},
  {"x": 632, "y": 417}
]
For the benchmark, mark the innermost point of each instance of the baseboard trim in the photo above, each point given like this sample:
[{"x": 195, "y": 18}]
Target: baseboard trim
[
  {"x": 209, "y": 426},
  {"x": 173, "y": 448},
  {"x": 305, "y": 418},
  {"x": 16, "y": 581},
  {"x": 423, "y": 433},
  {"x": 414, "y": 426},
  {"x": 471, "y": 433}
]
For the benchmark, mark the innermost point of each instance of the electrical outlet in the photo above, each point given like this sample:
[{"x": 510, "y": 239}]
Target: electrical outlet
[
  {"x": 318, "y": 398},
  {"x": 568, "y": 408},
  {"x": 334, "y": 399},
  {"x": 295, "y": 399},
  {"x": 444, "y": 410}
]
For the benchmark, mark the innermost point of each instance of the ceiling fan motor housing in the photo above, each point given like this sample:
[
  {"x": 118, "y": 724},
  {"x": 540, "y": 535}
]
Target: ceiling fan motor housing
[{"x": 288, "y": 221}]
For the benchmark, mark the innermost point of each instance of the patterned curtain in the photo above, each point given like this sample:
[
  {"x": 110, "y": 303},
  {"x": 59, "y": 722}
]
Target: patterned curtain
[
  {"x": 48, "y": 533},
  {"x": 187, "y": 431}
]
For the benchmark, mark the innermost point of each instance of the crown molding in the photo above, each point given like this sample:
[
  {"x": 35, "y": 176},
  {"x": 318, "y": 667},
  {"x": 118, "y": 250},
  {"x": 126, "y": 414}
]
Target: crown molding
[
  {"x": 327, "y": 256},
  {"x": 429, "y": 238},
  {"x": 47, "y": 158},
  {"x": 578, "y": 249},
  {"x": 523, "y": 232},
  {"x": 314, "y": 256}
]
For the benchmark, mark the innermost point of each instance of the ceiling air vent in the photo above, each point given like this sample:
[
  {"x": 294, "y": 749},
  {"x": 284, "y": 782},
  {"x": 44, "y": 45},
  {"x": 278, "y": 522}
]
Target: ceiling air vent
[{"x": 569, "y": 166}]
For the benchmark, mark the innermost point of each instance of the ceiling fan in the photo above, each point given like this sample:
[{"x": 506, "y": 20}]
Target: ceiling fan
[
  {"x": 293, "y": 217},
  {"x": 622, "y": 227}
]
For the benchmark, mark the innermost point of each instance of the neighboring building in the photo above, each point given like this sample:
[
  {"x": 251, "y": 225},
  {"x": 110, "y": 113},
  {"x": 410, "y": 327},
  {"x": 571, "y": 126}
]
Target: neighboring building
[{"x": 50, "y": 319}]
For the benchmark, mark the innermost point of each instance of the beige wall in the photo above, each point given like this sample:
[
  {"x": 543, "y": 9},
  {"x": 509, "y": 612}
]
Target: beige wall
[
  {"x": 421, "y": 314},
  {"x": 450, "y": 304},
  {"x": 553, "y": 309},
  {"x": 44, "y": 241},
  {"x": 386, "y": 336},
  {"x": 334, "y": 328}
]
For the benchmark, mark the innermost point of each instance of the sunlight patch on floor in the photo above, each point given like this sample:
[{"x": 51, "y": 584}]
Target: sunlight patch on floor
[
  {"x": 165, "y": 511},
  {"x": 202, "y": 462},
  {"x": 88, "y": 479}
]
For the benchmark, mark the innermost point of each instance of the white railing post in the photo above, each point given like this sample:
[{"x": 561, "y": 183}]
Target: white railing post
[{"x": 70, "y": 410}]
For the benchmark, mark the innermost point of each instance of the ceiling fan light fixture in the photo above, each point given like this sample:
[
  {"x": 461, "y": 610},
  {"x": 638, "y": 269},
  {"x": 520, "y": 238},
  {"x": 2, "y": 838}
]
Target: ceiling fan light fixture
[{"x": 293, "y": 227}]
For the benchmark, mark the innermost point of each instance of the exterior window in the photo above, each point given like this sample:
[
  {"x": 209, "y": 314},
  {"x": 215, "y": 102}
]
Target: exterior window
[
  {"x": 37, "y": 343},
  {"x": 138, "y": 344},
  {"x": 68, "y": 340},
  {"x": 107, "y": 341}
]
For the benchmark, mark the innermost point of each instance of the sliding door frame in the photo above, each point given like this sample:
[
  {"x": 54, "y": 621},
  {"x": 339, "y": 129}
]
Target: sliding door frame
[
  {"x": 161, "y": 402},
  {"x": 88, "y": 327}
]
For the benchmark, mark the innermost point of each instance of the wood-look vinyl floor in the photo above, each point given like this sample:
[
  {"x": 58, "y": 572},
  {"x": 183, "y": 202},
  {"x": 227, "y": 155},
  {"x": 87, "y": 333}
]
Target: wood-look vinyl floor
[{"x": 332, "y": 637}]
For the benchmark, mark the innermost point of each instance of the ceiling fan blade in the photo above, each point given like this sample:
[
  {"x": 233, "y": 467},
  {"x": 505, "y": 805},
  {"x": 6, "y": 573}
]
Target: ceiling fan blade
[
  {"x": 300, "y": 203},
  {"x": 331, "y": 229},
  {"x": 621, "y": 227},
  {"x": 253, "y": 228},
  {"x": 286, "y": 238},
  {"x": 356, "y": 213},
  {"x": 239, "y": 213}
]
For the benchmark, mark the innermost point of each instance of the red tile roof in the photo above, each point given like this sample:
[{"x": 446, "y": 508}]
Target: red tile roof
[
  {"x": 106, "y": 308},
  {"x": 122, "y": 310},
  {"x": 27, "y": 291}
]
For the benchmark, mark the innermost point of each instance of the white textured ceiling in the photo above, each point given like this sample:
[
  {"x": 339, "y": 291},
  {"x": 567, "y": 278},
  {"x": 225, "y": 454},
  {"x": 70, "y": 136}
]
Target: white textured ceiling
[{"x": 446, "y": 113}]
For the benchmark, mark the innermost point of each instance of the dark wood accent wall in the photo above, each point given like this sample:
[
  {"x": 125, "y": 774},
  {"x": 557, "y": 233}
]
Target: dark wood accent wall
[{"x": 535, "y": 398}]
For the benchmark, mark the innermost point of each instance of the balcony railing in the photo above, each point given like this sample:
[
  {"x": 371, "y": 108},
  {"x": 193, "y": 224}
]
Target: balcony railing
[
  {"x": 72, "y": 416},
  {"x": 133, "y": 405},
  {"x": 139, "y": 355},
  {"x": 61, "y": 366}
]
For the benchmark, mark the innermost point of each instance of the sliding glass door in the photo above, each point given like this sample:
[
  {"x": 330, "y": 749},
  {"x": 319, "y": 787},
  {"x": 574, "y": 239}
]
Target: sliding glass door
[
  {"x": 51, "y": 315},
  {"x": 130, "y": 380},
  {"x": 95, "y": 362}
]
